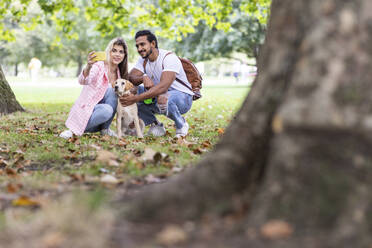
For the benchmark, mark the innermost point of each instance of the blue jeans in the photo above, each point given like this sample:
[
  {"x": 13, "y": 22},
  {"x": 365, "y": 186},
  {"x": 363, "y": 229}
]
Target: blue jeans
[
  {"x": 179, "y": 103},
  {"x": 103, "y": 112}
]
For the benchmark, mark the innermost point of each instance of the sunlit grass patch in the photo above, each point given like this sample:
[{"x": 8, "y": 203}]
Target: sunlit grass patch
[{"x": 41, "y": 167}]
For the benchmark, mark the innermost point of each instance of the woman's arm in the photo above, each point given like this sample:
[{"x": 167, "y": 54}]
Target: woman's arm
[{"x": 85, "y": 75}]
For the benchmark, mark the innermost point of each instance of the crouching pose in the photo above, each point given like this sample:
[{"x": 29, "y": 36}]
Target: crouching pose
[
  {"x": 96, "y": 106},
  {"x": 160, "y": 72}
]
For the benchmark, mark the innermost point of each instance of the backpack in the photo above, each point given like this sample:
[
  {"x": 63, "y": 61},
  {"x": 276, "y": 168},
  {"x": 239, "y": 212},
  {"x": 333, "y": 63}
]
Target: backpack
[{"x": 192, "y": 74}]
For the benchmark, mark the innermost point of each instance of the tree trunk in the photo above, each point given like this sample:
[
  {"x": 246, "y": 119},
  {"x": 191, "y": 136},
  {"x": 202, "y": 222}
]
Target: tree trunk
[
  {"x": 16, "y": 69},
  {"x": 80, "y": 65},
  {"x": 8, "y": 102},
  {"x": 299, "y": 148}
]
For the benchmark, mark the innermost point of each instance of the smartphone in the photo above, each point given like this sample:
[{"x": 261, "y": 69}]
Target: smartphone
[{"x": 100, "y": 56}]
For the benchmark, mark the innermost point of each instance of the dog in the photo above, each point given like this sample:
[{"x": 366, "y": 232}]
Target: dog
[{"x": 128, "y": 115}]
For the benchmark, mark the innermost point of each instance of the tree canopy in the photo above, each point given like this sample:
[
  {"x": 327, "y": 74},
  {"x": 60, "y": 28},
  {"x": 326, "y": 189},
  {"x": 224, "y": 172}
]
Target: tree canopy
[{"x": 171, "y": 19}]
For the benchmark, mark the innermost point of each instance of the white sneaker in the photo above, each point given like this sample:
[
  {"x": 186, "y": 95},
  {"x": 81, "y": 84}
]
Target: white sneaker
[
  {"x": 66, "y": 134},
  {"x": 156, "y": 130},
  {"x": 183, "y": 131},
  {"x": 108, "y": 132}
]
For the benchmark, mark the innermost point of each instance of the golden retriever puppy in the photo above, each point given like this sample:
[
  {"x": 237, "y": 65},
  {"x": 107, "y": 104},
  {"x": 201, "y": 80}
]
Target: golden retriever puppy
[{"x": 125, "y": 116}]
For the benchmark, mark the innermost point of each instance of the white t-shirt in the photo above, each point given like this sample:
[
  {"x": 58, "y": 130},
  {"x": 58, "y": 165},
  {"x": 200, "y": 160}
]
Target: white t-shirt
[{"x": 171, "y": 63}]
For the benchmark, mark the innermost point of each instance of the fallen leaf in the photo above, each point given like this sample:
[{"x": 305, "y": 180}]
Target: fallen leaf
[
  {"x": 25, "y": 201},
  {"x": 107, "y": 158},
  {"x": 122, "y": 143},
  {"x": 152, "y": 179},
  {"x": 77, "y": 177},
  {"x": 276, "y": 229},
  {"x": 148, "y": 155},
  {"x": 137, "y": 182},
  {"x": 71, "y": 150},
  {"x": 220, "y": 130},
  {"x": 177, "y": 169},
  {"x": 153, "y": 156},
  {"x": 198, "y": 151},
  {"x": 10, "y": 171},
  {"x": 3, "y": 162},
  {"x": 206, "y": 144},
  {"x": 182, "y": 141},
  {"x": 95, "y": 147},
  {"x": 171, "y": 235},
  {"x": 13, "y": 187},
  {"x": 103, "y": 170},
  {"x": 53, "y": 240},
  {"x": 136, "y": 152},
  {"x": 109, "y": 179}
]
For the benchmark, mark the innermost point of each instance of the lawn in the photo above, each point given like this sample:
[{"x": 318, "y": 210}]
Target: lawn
[{"x": 41, "y": 174}]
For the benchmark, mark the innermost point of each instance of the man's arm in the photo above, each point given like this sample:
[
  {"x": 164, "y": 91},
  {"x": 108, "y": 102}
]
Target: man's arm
[
  {"x": 167, "y": 78},
  {"x": 136, "y": 76}
]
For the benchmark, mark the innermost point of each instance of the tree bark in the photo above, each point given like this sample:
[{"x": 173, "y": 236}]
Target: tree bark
[
  {"x": 299, "y": 148},
  {"x": 8, "y": 102},
  {"x": 16, "y": 69},
  {"x": 80, "y": 65}
]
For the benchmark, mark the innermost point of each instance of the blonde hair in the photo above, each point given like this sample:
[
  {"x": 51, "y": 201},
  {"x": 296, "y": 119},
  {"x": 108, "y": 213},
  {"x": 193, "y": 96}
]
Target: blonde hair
[{"x": 123, "y": 66}]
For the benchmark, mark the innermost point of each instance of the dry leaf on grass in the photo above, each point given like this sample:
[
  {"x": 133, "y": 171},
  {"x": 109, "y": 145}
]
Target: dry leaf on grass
[
  {"x": 13, "y": 187},
  {"x": 109, "y": 179},
  {"x": 77, "y": 177},
  {"x": 153, "y": 156},
  {"x": 276, "y": 229},
  {"x": 3, "y": 162},
  {"x": 206, "y": 144},
  {"x": 148, "y": 155},
  {"x": 152, "y": 179},
  {"x": 177, "y": 169},
  {"x": 10, "y": 171},
  {"x": 25, "y": 201},
  {"x": 171, "y": 235},
  {"x": 198, "y": 150},
  {"x": 95, "y": 147},
  {"x": 53, "y": 240},
  {"x": 220, "y": 130},
  {"x": 107, "y": 158},
  {"x": 183, "y": 142}
]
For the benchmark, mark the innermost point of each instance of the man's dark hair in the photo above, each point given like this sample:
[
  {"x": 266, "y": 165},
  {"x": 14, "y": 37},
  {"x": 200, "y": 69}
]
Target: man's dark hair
[{"x": 150, "y": 36}]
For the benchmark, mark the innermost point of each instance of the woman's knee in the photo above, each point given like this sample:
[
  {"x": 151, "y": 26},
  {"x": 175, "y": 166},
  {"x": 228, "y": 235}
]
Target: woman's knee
[
  {"x": 107, "y": 111},
  {"x": 112, "y": 99}
]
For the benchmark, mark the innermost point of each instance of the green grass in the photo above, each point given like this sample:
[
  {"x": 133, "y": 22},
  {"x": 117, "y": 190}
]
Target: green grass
[
  {"x": 48, "y": 167},
  {"x": 36, "y": 131}
]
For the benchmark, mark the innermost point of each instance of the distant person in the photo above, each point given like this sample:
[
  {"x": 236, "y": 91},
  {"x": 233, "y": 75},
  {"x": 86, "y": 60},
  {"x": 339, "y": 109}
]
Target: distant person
[
  {"x": 95, "y": 108},
  {"x": 34, "y": 68},
  {"x": 160, "y": 72},
  {"x": 236, "y": 71}
]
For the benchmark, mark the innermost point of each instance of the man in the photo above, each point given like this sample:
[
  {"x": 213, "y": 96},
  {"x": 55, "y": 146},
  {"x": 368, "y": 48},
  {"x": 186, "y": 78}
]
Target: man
[{"x": 161, "y": 93}]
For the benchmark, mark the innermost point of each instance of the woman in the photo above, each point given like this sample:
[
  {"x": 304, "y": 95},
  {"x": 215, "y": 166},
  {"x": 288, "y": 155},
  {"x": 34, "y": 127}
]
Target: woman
[{"x": 95, "y": 108}]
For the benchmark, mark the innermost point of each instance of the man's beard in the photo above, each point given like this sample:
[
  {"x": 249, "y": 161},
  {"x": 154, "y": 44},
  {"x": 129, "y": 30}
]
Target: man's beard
[{"x": 148, "y": 54}]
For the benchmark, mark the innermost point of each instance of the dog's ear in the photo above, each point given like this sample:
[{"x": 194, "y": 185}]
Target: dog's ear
[{"x": 128, "y": 85}]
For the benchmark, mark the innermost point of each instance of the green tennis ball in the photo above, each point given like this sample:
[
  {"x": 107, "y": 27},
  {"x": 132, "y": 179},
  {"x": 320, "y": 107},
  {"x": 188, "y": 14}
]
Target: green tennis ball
[{"x": 148, "y": 101}]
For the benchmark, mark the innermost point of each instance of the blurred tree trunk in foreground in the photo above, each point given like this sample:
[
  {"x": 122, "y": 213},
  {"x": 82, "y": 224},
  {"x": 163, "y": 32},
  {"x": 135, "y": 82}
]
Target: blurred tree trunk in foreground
[
  {"x": 299, "y": 150},
  {"x": 8, "y": 102}
]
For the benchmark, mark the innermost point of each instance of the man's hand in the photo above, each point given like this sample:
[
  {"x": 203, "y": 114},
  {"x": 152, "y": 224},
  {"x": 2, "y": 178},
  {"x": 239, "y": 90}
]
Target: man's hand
[
  {"x": 147, "y": 82},
  {"x": 128, "y": 100}
]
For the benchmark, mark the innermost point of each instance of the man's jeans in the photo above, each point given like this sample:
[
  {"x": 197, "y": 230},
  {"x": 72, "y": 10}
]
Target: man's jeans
[
  {"x": 103, "y": 112},
  {"x": 179, "y": 103}
]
